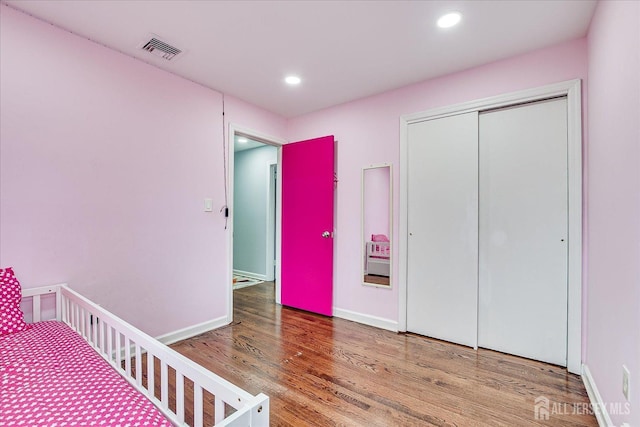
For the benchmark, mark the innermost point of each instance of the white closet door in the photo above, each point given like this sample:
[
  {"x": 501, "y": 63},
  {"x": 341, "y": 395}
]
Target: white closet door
[
  {"x": 442, "y": 213},
  {"x": 523, "y": 231}
]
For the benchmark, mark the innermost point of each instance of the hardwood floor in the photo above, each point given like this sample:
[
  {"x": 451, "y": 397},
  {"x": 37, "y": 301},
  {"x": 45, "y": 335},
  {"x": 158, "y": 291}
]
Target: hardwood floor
[
  {"x": 320, "y": 371},
  {"x": 376, "y": 280}
]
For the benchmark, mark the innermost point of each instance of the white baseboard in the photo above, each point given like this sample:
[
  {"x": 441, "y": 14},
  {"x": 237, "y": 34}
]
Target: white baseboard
[
  {"x": 192, "y": 331},
  {"x": 262, "y": 277},
  {"x": 366, "y": 319},
  {"x": 599, "y": 407}
]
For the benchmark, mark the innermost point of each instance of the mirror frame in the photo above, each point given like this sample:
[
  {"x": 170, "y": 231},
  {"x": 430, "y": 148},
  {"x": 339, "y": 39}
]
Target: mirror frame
[{"x": 363, "y": 241}]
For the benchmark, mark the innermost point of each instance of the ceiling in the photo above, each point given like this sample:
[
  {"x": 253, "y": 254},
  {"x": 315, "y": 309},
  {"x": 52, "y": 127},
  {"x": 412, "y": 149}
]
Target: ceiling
[
  {"x": 244, "y": 143},
  {"x": 342, "y": 50}
]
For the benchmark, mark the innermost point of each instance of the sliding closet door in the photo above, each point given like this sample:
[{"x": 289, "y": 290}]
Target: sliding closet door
[
  {"x": 523, "y": 231},
  {"x": 442, "y": 214}
]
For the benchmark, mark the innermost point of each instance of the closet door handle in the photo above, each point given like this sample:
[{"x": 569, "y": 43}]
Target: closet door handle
[{"x": 326, "y": 234}]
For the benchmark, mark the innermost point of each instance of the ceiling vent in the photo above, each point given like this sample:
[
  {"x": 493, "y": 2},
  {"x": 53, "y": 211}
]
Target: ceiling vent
[{"x": 161, "y": 49}]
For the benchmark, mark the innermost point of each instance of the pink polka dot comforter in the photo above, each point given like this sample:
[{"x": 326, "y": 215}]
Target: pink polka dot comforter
[{"x": 49, "y": 376}]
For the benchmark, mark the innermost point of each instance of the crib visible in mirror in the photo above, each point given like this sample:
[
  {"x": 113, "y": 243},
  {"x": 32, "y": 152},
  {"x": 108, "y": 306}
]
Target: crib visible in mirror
[{"x": 376, "y": 225}]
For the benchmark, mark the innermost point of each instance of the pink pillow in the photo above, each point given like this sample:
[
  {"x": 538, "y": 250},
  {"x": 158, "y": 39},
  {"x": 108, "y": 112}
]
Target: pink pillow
[
  {"x": 11, "y": 317},
  {"x": 379, "y": 238}
]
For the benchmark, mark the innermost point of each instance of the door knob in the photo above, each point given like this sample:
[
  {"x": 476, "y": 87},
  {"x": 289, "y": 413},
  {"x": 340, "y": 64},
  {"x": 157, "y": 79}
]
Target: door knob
[{"x": 326, "y": 234}]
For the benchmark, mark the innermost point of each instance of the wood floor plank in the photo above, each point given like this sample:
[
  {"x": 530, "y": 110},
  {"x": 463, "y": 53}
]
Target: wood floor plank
[{"x": 321, "y": 371}]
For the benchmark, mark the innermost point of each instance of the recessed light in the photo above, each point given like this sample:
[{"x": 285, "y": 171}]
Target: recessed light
[
  {"x": 449, "y": 20},
  {"x": 242, "y": 140},
  {"x": 292, "y": 80}
]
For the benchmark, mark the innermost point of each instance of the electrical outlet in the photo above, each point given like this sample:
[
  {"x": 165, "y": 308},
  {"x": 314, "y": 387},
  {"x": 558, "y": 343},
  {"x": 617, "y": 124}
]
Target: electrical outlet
[{"x": 625, "y": 382}]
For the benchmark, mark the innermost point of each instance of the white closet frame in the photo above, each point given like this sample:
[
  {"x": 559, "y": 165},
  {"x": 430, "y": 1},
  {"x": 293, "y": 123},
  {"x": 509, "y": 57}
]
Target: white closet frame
[{"x": 572, "y": 90}]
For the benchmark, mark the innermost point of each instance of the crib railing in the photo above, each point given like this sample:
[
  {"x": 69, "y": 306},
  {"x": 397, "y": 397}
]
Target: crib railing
[
  {"x": 379, "y": 249},
  {"x": 184, "y": 391}
]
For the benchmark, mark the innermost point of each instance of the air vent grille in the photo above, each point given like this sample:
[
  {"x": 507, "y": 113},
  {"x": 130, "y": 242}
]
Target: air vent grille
[{"x": 161, "y": 49}]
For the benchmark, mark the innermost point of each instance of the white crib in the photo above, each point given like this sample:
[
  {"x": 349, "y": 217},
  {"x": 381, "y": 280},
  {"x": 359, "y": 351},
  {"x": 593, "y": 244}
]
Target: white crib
[
  {"x": 124, "y": 347},
  {"x": 378, "y": 257}
]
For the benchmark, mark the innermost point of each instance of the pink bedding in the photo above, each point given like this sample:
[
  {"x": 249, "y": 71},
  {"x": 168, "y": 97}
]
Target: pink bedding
[{"x": 49, "y": 376}]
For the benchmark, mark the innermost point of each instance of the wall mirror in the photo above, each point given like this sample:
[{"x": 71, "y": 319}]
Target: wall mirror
[{"x": 376, "y": 218}]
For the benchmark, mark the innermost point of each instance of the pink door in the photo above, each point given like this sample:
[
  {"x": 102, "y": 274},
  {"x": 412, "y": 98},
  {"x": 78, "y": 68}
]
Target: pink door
[{"x": 307, "y": 225}]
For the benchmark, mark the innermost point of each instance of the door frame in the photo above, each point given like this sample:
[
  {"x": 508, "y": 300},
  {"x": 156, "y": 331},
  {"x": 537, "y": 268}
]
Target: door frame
[
  {"x": 269, "y": 140},
  {"x": 272, "y": 217},
  {"x": 572, "y": 90}
]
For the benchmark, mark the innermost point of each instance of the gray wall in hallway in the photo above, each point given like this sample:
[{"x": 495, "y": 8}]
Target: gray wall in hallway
[{"x": 251, "y": 185}]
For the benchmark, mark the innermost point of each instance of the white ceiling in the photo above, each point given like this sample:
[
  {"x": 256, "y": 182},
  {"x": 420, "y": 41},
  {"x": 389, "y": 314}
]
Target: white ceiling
[
  {"x": 343, "y": 50},
  {"x": 247, "y": 145}
]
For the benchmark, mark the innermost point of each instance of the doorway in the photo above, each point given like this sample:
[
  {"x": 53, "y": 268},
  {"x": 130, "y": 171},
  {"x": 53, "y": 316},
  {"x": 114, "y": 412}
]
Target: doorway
[
  {"x": 254, "y": 210},
  {"x": 310, "y": 172}
]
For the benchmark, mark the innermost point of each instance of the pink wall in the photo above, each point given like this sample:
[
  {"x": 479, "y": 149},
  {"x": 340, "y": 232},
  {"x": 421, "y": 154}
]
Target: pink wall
[
  {"x": 105, "y": 162},
  {"x": 614, "y": 203},
  {"x": 249, "y": 116},
  {"x": 367, "y": 131}
]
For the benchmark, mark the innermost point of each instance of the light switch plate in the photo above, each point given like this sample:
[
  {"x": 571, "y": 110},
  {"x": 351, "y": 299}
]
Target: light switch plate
[{"x": 208, "y": 205}]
